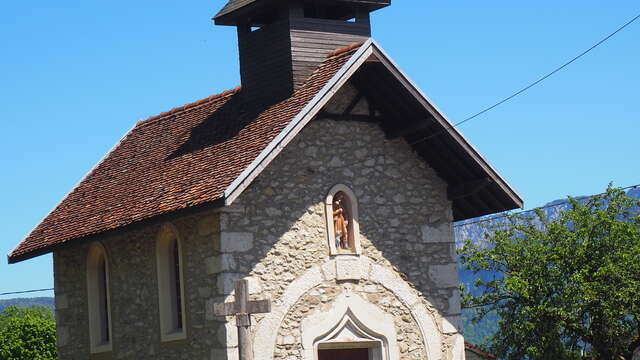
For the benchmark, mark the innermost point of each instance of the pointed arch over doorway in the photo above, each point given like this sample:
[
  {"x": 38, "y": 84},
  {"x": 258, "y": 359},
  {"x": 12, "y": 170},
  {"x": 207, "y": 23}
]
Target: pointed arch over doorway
[
  {"x": 266, "y": 333},
  {"x": 352, "y": 323}
]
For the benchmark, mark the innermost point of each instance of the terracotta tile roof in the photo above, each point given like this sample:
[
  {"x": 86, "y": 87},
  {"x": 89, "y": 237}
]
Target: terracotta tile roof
[
  {"x": 179, "y": 159},
  {"x": 476, "y": 349}
]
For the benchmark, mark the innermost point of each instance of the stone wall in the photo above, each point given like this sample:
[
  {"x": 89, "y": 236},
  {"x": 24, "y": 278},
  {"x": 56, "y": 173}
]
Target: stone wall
[
  {"x": 273, "y": 234},
  {"x": 276, "y": 230},
  {"x": 134, "y": 294},
  {"x": 319, "y": 300}
]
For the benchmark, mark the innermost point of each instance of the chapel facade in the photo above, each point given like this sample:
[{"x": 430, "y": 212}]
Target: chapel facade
[{"x": 328, "y": 181}]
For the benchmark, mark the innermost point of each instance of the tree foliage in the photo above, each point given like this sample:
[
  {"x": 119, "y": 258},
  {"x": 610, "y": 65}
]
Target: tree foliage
[
  {"x": 27, "y": 334},
  {"x": 569, "y": 288}
]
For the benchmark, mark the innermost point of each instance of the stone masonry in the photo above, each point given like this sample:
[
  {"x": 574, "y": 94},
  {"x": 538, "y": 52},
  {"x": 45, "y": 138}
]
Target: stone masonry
[
  {"x": 274, "y": 233},
  {"x": 134, "y": 294},
  {"x": 405, "y": 223}
]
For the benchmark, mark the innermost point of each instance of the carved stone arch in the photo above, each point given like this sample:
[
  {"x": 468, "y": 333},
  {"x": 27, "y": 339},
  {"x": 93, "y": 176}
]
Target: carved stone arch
[
  {"x": 99, "y": 298},
  {"x": 354, "y": 228},
  {"x": 351, "y": 320},
  {"x": 267, "y": 329},
  {"x": 171, "y": 300}
]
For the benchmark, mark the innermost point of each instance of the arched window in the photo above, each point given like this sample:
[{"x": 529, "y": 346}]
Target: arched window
[
  {"x": 170, "y": 285},
  {"x": 99, "y": 299},
  {"x": 342, "y": 221}
]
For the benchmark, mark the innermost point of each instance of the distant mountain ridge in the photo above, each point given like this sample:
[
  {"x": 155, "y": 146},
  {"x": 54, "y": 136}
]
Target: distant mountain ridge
[
  {"x": 28, "y": 302},
  {"x": 475, "y": 230}
]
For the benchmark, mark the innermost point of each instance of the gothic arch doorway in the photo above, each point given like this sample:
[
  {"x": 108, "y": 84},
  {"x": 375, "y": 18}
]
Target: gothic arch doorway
[
  {"x": 267, "y": 329},
  {"x": 353, "y": 329}
]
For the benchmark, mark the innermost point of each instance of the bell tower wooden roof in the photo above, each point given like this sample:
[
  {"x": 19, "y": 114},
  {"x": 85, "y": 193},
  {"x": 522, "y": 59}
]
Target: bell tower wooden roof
[
  {"x": 242, "y": 10},
  {"x": 281, "y": 42}
]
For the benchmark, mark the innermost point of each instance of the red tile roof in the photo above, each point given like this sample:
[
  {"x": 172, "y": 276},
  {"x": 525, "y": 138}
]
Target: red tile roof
[
  {"x": 179, "y": 159},
  {"x": 476, "y": 349}
]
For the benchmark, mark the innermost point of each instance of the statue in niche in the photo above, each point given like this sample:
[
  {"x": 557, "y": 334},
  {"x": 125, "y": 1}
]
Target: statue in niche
[{"x": 341, "y": 222}]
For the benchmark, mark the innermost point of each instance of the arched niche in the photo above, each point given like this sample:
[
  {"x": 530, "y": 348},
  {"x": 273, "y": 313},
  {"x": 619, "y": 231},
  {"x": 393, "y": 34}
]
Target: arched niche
[
  {"x": 171, "y": 301},
  {"x": 99, "y": 299},
  {"x": 349, "y": 203},
  {"x": 351, "y": 323}
]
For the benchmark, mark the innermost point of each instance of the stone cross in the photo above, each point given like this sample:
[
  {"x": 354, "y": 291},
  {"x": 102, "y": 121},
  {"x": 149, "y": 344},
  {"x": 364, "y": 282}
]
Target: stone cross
[{"x": 242, "y": 308}]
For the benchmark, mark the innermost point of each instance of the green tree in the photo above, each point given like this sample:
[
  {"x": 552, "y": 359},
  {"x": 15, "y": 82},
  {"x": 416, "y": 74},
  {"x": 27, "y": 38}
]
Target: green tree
[
  {"x": 567, "y": 288},
  {"x": 27, "y": 334}
]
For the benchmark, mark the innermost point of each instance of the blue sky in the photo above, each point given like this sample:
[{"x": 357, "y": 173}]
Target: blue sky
[{"x": 75, "y": 76}]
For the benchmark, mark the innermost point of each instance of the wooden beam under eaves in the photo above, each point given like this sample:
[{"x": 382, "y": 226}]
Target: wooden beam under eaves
[
  {"x": 354, "y": 102},
  {"x": 410, "y": 129},
  {"x": 349, "y": 117},
  {"x": 467, "y": 189}
]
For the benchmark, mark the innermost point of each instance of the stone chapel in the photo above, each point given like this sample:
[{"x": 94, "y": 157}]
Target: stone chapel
[{"x": 327, "y": 180}]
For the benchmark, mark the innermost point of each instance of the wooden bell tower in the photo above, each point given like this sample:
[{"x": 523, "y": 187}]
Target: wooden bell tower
[{"x": 282, "y": 42}]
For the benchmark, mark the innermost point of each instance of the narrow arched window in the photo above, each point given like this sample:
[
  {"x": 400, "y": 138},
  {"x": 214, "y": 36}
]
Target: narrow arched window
[
  {"x": 99, "y": 299},
  {"x": 342, "y": 221},
  {"x": 170, "y": 285}
]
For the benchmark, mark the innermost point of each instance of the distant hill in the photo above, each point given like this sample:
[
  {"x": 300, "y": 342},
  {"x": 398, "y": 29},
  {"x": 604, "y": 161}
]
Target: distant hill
[
  {"x": 28, "y": 302},
  {"x": 475, "y": 230}
]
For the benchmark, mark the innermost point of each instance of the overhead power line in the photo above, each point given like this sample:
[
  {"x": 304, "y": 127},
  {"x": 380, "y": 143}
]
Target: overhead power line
[
  {"x": 543, "y": 78},
  {"x": 492, "y": 218},
  {"x": 25, "y": 292}
]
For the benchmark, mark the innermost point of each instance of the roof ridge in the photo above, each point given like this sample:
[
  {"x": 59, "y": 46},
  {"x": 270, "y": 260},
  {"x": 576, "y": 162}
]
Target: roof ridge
[
  {"x": 178, "y": 109},
  {"x": 344, "y": 50},
  {"x": 335, "y": 55}
]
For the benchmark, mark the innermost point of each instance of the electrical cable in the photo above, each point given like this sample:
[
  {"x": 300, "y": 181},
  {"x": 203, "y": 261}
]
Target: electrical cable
[
  {"x": 530, "y": 85},
  {"x": 25, "y": 291}
]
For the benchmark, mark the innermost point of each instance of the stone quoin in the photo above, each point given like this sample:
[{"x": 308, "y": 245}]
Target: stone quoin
[{"x": 328, "y": 183}]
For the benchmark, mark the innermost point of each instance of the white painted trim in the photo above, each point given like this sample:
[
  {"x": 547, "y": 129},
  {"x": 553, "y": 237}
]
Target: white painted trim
[
  {"x": 165, "y": 237},
  {"x": 96, "y": 252},
  {"x": 266, "y": 334},
  {"x": 328, "y": 208},
  {"x": 374, "y": 328},
  {"x": 299, "y": 121},
  {"x": 434, "y": 110}
]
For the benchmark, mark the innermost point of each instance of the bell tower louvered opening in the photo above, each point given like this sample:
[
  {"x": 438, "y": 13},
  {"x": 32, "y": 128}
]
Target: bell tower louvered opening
[{"x": 282, "y": 42}]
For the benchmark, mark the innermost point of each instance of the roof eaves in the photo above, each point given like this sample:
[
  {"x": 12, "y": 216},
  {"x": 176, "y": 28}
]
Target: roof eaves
[
  {"x": 392, "y": 66},
  {"x": 11, "y": 258},
  {"x": 152, "y": 220},
  {"x": 234, "y": 8}
]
